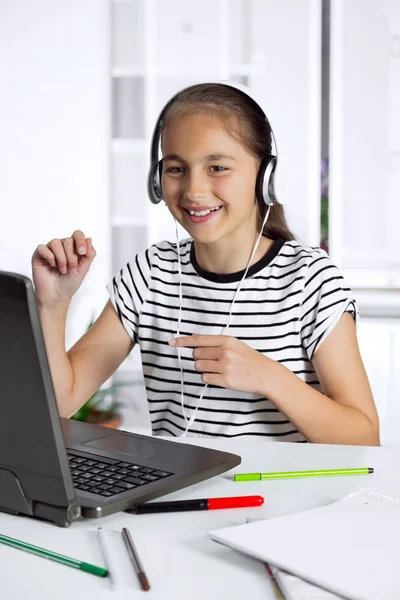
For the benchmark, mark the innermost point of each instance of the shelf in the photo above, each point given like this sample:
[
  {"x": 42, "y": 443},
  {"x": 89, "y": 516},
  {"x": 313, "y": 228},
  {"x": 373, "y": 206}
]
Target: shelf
[
  {"x": 128, "y": 145},
  {"x": 378, "y": 303},
  {"x": 122, "y": 222},
  {"x": 243, "y": 70},
  {"x": 136, "y": 71},
  {"x": 126, "y": 241},
  {"x": 128, "y": 34},
  {"x": 126, "y": 71}
]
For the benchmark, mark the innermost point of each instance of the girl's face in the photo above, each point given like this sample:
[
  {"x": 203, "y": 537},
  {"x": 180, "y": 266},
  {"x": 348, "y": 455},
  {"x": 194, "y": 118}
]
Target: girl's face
[{"x": 208, "y": 179}]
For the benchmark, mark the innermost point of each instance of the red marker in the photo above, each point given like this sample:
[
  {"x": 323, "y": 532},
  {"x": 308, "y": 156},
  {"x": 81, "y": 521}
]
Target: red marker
[{"x": 202, "y": 504}]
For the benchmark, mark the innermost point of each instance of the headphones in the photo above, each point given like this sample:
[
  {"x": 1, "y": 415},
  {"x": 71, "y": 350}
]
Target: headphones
[{"x": 265, "y": 191}]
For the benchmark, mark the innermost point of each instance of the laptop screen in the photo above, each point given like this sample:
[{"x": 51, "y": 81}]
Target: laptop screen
[{"x": 31, "y": 440}]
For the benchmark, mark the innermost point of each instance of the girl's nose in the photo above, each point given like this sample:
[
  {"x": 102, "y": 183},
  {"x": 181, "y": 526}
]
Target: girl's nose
[{"x": 196, "y": 187}]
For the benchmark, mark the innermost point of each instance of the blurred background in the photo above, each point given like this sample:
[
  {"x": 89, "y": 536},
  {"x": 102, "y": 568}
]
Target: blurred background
[{"x": 82, "y": 84}]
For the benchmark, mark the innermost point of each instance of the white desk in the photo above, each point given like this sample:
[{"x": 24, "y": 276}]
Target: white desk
[{"x": 179, "y": 558}]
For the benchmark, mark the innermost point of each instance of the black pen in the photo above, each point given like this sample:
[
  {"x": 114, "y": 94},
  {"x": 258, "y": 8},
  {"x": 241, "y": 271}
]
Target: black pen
[
  {"x": 197, "y": 504},
  {"x": 137, "y": 565}
]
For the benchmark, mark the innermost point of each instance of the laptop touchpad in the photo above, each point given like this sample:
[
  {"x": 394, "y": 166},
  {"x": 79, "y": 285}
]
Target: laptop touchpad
[{"x": 124, "y": 444}]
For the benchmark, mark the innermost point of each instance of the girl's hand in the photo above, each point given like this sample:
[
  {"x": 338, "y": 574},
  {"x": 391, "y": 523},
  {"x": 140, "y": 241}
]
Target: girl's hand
[
  {"x": 59, "y": 267},
  {"x": 227, "y": 362}
]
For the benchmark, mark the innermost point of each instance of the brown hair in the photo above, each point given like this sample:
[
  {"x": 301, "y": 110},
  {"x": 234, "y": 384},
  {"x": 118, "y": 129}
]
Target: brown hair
[{"x": 243, "y": 119}]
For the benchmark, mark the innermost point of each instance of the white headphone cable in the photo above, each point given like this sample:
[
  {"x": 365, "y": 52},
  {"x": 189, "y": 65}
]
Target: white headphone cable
[
  {"x": 179, "y": 318},
  {"x": 190, "y": 422}
]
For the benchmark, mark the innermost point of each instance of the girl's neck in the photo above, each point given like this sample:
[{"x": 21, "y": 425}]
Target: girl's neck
[{"x": 230, "y": 256}]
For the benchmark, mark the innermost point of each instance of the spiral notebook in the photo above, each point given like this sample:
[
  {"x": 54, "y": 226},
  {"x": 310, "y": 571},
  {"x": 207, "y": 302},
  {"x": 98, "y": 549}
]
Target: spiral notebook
[
  {"x": 348, "y": 548},
  {"x": 294, "y": 588}
]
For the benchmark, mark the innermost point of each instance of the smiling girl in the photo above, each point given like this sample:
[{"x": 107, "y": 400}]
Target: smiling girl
[{"x": 243, "y": 331}]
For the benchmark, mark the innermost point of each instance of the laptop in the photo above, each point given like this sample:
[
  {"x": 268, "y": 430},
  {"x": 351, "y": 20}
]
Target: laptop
[{"x": 63, "y": 470}]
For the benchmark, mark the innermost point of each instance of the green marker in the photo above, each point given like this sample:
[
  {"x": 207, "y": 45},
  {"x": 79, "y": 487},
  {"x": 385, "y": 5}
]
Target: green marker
[
  {"x": 65, "y": 560},
  {"x": 294, "y": 474}
]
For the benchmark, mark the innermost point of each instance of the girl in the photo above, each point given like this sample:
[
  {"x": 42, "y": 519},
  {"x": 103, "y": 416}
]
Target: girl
[{"x": 243, "y": 331}]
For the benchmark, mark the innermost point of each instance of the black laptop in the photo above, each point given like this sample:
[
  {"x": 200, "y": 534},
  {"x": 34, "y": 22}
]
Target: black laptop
[{"x": 62, "y": 470}]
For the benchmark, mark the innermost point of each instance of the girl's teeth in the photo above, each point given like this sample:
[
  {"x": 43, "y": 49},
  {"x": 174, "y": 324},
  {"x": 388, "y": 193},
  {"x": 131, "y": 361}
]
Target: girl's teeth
[{"x": 202, "y": 213}]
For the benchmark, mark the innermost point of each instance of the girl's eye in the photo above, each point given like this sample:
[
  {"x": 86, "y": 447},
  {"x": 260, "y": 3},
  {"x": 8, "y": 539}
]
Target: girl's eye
[
  {"x": 175, "y": 170},
  {"x": 217, "y": 169},
  {"x": 180, "y": 170}
]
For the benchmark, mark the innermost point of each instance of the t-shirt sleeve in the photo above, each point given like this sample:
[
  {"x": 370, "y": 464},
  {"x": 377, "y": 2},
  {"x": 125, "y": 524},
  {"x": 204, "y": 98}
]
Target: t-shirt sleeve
[
  {"x": 128, "y": 290},
  {"x": 326, "y": 296}
]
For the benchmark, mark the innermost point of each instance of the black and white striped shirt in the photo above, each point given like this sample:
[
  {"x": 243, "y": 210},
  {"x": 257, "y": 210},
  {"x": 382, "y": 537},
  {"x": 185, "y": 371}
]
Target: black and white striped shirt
[{"x": 290, "y": 301}]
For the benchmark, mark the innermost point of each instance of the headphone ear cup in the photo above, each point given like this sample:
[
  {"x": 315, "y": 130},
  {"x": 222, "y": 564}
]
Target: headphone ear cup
[
  {"x": 157, "y": 180},
  {"x": 265, "y": 191},
  {"x": 154, "y": 183}
]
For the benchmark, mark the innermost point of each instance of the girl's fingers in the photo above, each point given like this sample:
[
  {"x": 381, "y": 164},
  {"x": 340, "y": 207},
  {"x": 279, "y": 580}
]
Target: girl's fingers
[
  {"x": 45, "y": 253},
  {"x": 200, "y": 339},
  {"x": 80, "y": 242},
  {"x": 57, "y": 248},
  {"x": 208, "y": 366},
  {"x": 213, "y": 353},
  {"x": 90, "y": 252},
  {"x": 70, "y": 252},
  {"x": 67, "y": 253}
]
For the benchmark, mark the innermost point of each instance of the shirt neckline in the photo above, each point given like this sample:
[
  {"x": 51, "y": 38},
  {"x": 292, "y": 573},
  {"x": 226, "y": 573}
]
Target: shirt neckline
[{"x": 237, "y": 276}]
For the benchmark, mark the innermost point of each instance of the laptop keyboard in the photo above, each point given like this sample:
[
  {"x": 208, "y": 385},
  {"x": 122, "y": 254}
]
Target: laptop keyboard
[{"x": 108, "y": 477}]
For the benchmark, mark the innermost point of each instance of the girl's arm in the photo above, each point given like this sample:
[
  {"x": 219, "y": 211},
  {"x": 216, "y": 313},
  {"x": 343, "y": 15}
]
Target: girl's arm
[
  {"x": 78, "y": 373},
  {"x": 345, "y": 413}
]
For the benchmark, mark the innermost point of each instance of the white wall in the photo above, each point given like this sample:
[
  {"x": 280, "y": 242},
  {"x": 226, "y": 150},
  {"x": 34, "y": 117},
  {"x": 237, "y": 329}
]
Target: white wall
[
  {"x": 379, "y": 341},
  {"x": 54, "y": 132}
]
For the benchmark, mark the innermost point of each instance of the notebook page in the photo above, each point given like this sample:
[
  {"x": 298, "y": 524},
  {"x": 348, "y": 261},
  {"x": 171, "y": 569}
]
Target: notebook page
[
  {"x": 295, "y": 588},
  {"x": 347, "y": 547}
]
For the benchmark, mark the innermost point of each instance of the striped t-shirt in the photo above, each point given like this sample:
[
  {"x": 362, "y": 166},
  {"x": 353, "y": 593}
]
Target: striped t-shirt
[{"x": 289, "y": 302}]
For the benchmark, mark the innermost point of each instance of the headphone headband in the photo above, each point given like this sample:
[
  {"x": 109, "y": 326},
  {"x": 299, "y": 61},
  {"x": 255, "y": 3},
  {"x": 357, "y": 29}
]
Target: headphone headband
[{"x": 264, "y": 191}]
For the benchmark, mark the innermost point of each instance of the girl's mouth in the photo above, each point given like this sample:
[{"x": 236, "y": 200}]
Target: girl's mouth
[{"x": 201, "y": 216}]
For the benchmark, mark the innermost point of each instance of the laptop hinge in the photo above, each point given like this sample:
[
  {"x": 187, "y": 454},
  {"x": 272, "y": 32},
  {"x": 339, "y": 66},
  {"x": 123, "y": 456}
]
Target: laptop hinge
[
  {"x": 14, "y": 501},
  {"x": 60, "y": 515}
]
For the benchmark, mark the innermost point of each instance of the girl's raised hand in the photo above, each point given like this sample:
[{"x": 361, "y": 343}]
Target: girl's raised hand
[{"x": 59, "y": 267}]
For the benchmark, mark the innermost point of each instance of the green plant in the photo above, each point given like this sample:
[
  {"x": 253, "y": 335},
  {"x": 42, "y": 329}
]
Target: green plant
[
  {"x": 324, "y": 218},
  {"x": 324, "y": 241},
  {"x": 94, "y": 410}
]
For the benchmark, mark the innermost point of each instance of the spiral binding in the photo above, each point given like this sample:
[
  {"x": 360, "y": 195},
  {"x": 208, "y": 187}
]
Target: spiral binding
[{"x": 374, "y": 496}]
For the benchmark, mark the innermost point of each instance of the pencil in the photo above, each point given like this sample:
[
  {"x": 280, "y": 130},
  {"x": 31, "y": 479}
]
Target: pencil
[
  {"x": 137, "y": 565},
  {"x": 60, "y": 558},
  {"x": 106, "y": 556},
  {"x": 278, "y": 591},
  {"x": 293, "y": 474}
]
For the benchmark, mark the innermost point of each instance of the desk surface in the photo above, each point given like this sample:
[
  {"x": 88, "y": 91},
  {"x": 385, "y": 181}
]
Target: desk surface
[{"x": 180, "y": 559}]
